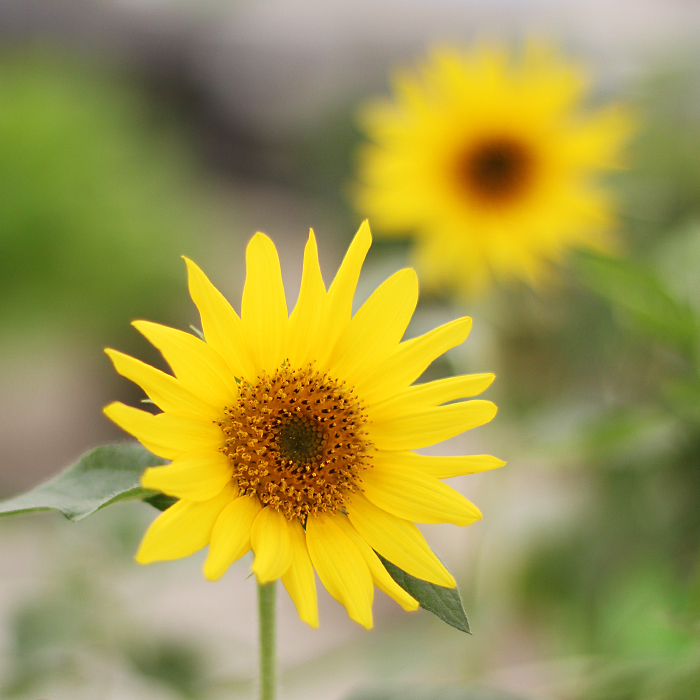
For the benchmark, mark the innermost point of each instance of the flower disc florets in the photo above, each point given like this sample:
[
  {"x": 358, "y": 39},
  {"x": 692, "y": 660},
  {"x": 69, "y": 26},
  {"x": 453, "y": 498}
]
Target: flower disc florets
[
  {"x": 496, "y": 170},
  {"x": 296, "y": 441}
]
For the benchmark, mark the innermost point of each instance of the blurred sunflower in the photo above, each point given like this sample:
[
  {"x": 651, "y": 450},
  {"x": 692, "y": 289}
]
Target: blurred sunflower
[
  {"x": 491, "y": 164},
  {"x": 293, "y": 435}
]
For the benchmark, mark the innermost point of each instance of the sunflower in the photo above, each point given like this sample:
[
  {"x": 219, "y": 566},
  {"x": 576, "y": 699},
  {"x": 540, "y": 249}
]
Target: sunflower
[
  {"x": 293, "y": 435},
  {"x": 492, "y": 164}
]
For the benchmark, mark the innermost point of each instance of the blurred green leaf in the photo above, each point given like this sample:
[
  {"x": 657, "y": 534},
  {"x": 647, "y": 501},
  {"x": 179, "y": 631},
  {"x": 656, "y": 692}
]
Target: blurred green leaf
[
  {"x": 173, "y": 663},
  {"x": 430, "y": 693},
  {"x": 446, "y": 603},
  {"x": 96, "y": 196},
  {"x": 100, "y": 477},
  {"x": 638, "y": 292},
  {"x": 684, "y": 398}
]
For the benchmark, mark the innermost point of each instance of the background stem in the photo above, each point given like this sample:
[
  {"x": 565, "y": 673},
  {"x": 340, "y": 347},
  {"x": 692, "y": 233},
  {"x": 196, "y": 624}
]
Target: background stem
[{"x": 266, "y": 614}]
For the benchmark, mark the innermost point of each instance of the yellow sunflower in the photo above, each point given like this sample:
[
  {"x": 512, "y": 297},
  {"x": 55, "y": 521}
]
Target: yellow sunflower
[
  {"x": 492, "y": 164},
  {"x": 294, "y": 434}
]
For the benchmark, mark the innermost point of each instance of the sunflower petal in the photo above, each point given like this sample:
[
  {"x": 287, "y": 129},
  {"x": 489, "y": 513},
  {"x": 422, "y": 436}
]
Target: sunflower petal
[
  {"x": 166, "y": 435},
  {"x": 377, "y": 328},
  {"x": 430, "y": 425},
  {"x": 264, "y": 307},
  {"x": 416, "y": 496},
  {"x": 222, "y": 327},
  {"x": 438, "y": 467},
  {"x": 299, "y": 579},
  {"x": 341, "y": 567},
  {"x": 166, "y": 391},
  {"x": 197, "y": 476},
  {"x": 342, "y": 291},
  {"x": 230, "y": 537},
  {"x": 182, "y": 529},
  {"x": 432, "y": 394},
  {"x": 270, "y": 539},
  {"x": 305, "y": 321},
  {"x": 410, "y": 360},
  {"x": 398, "y": 541},
  {"x": 380, "y": 576},
  {"x": 199, "y": 367}
]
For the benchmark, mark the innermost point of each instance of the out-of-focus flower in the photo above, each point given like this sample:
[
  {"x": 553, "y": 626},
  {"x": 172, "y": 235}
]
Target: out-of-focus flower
[
  {"x": 294, "y": 435},
  {"x": 491, "y": 164}
]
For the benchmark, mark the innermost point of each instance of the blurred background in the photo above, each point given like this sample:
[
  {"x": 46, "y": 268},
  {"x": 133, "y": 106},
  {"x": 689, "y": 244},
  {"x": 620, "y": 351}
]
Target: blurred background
[{"x": 135, "y": 131}]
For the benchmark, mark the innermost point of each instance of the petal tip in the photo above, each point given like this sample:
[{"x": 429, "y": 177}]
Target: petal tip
[
  {"x": 260, "y": 239},
  {"x": 365, "y": 232},
  {"x": 149, "y": 478},
  {"x": 141, "y": 558},
  {"x": 211, "y": 573},
  {"x": 112, "y": 354},
  {"x": 310, "y": 621},
  {"x": 110, "y": 409}
]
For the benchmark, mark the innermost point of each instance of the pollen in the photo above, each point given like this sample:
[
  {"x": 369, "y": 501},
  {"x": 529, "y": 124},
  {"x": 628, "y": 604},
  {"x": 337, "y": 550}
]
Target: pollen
[
  {"x": 496, "y": 170},
  {"x": 297, "y": 441}
]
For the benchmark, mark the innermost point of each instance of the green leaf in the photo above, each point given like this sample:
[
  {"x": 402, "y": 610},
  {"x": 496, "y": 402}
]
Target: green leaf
[
  {"x": 446, "y": 603},
  {"x": 160, "y": 501},
  {"x": 100, "y": 477},
  {"x": 641, "y": 295}
]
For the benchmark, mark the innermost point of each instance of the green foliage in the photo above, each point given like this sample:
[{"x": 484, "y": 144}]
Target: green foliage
[
  {"x": 102, "y": 476},
  {"x": 431, "y": 693},
  {"x": 637, "y": 291},
  {"x": 446, "y": 603},
  {"x": 173, "y": 663},
  {"x": 95, "y": 198},
  {"x": 651, "y": 678}
]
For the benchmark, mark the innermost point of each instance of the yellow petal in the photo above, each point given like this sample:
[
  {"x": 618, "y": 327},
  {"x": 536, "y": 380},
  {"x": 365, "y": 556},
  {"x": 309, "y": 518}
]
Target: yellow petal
[
  {"x": 264, "y": 308},
  {"x": 166, "y": 391},
  {"x": 432, "y": 394},
  {"x": 220, "y": 323},
  {"x": 438, "y": 467},
  {"x": 377, "y": 328},
  {"x": 342, "y": 291},
  {"x": 199, "y": 367},
  {"x": 230, "y": 537},
  {"x": 299, "y": 579},
  {"x": 307, "y": 317},
  {"x": 380, "y": 576},
  {"x": 429, "y": 425},
  {"x": 416, "y": 496},
  {"x": 341, "y": 567},
  {"x": 398, "y": 541},
  {"x": 182, "y": 529},
  {"x": 270, "y": 540},
  {"x": 197, "y": 476},
  {"x": 410, "y": 360},
  {"x": 166, "y": 435}
]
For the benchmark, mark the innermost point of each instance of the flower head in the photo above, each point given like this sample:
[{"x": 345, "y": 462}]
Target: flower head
[
  {"x": 491, "y": 163},
  {"x": 294, "y": 434}
]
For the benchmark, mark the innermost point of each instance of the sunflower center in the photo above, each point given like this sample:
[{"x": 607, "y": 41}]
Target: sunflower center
[
  {"x": 497, "y": 170},
  {"x": 296, "y": 441},
  {"x": 299, "y": 440}
]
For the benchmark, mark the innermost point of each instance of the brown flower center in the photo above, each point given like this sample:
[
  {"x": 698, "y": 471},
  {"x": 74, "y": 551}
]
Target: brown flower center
[
  {"x": 497, "y": 170},
  {"x": 296, "y": 441}
]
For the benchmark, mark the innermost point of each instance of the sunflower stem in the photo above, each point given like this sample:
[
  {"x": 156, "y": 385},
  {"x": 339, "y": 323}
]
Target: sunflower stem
[{"x": 266, "y": 615}]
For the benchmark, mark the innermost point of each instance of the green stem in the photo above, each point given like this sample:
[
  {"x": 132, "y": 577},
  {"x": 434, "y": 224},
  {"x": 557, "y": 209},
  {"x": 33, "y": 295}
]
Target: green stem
[{"x": 266, "y": 614}]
